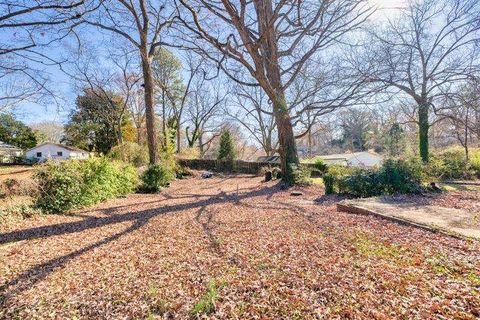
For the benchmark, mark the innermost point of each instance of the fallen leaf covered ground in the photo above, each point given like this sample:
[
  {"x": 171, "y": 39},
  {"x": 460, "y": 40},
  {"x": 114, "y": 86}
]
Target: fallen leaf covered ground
[{"x": 202, "y": 249}]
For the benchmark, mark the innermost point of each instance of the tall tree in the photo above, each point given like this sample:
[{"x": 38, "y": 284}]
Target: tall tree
[
  {"x": 94, "y": 123},
  {"x": 424, "y": 53},
  {"x": 141, "y": 23},
  {"x": 16, "y": 132},
  {"x": 271, "y": 41}
]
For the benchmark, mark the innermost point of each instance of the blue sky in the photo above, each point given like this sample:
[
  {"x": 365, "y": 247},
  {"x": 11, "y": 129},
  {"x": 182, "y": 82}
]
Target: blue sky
[{"x": 33, "y": 113}]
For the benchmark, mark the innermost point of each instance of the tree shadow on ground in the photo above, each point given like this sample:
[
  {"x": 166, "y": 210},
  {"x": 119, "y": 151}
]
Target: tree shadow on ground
[{"x": 38, "y": 272}]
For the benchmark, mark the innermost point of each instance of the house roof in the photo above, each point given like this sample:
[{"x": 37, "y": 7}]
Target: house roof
[
  {"x": 69, "y": 148},
  {"x": 6, "y": 146}
]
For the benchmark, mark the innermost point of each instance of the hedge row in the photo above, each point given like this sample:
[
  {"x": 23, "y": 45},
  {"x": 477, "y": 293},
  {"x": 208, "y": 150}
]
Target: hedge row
[{"x": 66, "y": 185}]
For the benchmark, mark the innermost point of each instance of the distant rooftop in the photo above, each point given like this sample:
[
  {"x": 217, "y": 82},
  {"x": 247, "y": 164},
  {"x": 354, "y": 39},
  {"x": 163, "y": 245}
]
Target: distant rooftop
[{"x": 6, "y": 146}]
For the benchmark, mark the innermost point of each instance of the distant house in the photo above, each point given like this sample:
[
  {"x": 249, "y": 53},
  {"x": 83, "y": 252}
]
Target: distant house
[
  {"x": 8, "y": 153},
  {"x": 355, "y": 159},
  {"x": 48, "y": 151}
]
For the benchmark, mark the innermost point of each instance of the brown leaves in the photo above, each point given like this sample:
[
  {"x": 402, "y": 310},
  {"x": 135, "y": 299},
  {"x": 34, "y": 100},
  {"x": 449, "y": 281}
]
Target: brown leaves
[{"x": 197, "y": 250}]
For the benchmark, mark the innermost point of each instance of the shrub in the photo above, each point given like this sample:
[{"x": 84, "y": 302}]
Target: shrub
[
  {"x": 339, "y": 171},
  {"x": 182, "y": 172},
  {"x": 329, "y": 180},
  {"x": 394, "y": 176},
  {"x": 475, "y": 161},
  {"x": 455, "y": 164},
  {"x": 276, "y": 173},
  {"x": 398, "y": 176},
  {"x": 75, "y": 183},
  {"x": 301, "y": 174},
  {"x": 156, "y": 177},
  {"x": 130, "y": 152},
  {"x": 320, "y": 165},
  {"x": 362, "y": 183}
]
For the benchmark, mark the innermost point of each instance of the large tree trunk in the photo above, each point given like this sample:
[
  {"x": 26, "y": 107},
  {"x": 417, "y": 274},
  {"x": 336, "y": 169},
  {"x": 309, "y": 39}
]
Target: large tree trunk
[
  {"x": 286, "y": 139},
  {"x": 423, "y": 127},
  {"x": 149, "y": 108}
]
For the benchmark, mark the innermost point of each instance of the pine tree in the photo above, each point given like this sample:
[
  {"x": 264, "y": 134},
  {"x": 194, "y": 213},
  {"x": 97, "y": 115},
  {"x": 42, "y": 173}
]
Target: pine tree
[{"x": 227, "y": 149}]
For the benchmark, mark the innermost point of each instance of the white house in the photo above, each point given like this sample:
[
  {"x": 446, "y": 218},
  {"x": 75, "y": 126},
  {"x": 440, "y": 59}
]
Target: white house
[
  {"x": 9, "y": 152},
  {"x": 354, "y": 159},
  {"x": 48, "y": 151}
]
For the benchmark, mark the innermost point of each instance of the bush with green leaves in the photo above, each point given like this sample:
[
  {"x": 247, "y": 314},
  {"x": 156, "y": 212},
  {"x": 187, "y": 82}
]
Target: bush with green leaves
[
  {"x": 394, "y": 176},
  {"x": 399, "y": 176},
  {"x": 301, "y": 174},
  {"x": 66, "y": 185},
  {"x": 156, "y": 177},
  {"x": 475, "y": 161},
  {"x": 455, "y": 163},
  {"x": 329, "y": 180},
  {"x": 130, "y": 152},
  {"x": 320, "y": 165}
]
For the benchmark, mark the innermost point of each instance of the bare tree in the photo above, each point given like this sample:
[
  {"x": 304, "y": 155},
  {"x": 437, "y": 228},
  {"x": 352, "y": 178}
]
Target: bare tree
[
  {"x": 176, "y": 93},
  {"x": 253, "y": 111},
  {"x": 27, "y": 28},
  {"x": 203, "y": 108},
  {"x": 271, "y": 41},
  {"x": 462, "y": 114},
  {"x": 424, "y": 54},
  {"x": 118, "y": 84},
  {"x": 142, "y": 23}
]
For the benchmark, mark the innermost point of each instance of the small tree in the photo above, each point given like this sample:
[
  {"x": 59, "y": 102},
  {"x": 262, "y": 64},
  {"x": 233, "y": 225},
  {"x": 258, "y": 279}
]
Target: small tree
[
  {"x": 227, "y": 149},
  {"x": 395, "y": 140}
]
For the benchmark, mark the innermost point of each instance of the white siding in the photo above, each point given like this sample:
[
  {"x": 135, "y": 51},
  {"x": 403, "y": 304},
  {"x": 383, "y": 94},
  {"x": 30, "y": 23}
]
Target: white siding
[{"x": 52, "y": 151}]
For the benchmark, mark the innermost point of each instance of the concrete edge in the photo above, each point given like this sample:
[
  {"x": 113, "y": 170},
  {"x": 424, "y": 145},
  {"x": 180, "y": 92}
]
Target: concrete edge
[
  {"x": 464, "y": 183},
  {"x": 350, "y": 208}
]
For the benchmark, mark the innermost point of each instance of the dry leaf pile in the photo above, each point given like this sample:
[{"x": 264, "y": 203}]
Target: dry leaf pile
[{"x": 201, "y": 250}]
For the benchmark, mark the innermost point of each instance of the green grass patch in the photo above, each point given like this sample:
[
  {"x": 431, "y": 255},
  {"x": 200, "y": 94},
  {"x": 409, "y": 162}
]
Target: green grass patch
[
  {"x": 371, "y": 247},
  {"x": 206, "y": 304}
]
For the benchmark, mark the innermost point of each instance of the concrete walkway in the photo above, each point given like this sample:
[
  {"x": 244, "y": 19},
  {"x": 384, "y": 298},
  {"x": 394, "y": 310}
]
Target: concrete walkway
[{"x": 448, "y": 220}]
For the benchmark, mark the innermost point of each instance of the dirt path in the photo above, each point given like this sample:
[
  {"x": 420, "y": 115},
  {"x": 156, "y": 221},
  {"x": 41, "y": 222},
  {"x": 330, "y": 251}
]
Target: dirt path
[{"x": 200, "y": 246}]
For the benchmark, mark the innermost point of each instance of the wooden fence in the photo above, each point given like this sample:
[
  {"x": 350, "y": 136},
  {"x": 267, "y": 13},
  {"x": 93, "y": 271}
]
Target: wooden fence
[{"x": 236, "y": 166}]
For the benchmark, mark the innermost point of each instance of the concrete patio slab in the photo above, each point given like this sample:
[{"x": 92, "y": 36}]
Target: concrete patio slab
[{"x": 451, "y": 221}]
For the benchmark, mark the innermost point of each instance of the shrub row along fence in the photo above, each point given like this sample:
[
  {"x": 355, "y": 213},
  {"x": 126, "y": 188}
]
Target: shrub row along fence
[{"x": 235, "y": 166}]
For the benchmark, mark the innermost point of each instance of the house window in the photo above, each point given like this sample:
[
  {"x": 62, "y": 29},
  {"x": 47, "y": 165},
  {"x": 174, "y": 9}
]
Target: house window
[
  {"x": 39, "y": 154},
  {"x": 59, "y": 153}
]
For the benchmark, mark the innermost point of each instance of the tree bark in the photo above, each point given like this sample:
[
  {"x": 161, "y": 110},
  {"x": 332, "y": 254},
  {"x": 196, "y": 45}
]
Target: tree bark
[
  {"x": 423, "y": 127},
  {"x": 286, "y": 139},
  {"x": 269, "y": 48},
  {"x": 149, "y": 108},
  {"x": 164, "y": 121},
  {"x": 178, "y": 136}
]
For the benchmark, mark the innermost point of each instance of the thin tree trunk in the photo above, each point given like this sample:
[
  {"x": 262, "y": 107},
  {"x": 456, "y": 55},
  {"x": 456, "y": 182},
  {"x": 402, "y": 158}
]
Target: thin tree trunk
[
  {"x": 120, "y": 133},
  {"x": 164, "y": 121},
  {"x": 423, "y": 127},
  {"x": 149, "y": 108},
  {"x": 178, "y": 135}
]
